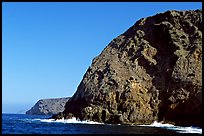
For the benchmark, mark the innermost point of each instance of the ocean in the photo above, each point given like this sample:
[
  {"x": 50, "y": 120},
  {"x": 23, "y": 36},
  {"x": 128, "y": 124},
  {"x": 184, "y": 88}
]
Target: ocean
[{"x": 32, "y": 124}]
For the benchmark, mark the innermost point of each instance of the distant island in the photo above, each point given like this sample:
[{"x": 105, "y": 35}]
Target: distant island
[
  {"x": 152, "y": 72},
  {"x": 48, "y": 106}
]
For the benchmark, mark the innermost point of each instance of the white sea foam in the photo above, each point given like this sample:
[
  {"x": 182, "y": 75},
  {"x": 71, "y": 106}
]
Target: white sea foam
[
  {"x": 176, "y": 128},
  {"x": 73, "y": 120}
]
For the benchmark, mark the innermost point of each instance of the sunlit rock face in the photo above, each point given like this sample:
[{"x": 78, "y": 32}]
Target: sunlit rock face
[{"x": 151, "y": 72}]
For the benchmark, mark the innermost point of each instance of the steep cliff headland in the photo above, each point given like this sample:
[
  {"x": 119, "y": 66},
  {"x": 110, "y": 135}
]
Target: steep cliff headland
[
  {"x": 48, "y": 106},
  {"x": 151, "y": 72}
]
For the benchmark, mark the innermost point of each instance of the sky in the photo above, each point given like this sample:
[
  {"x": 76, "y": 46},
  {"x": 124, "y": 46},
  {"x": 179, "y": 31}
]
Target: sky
[{"x": 48, "y": 46}]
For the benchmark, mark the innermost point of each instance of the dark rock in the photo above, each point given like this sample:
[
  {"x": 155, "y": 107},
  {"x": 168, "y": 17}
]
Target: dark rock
[
  {"x": 151, "y": 72},
  {"x": 48, "y": 106},
  {"x": 60, "y": 115},
  {"x": 68, "y": 116}
]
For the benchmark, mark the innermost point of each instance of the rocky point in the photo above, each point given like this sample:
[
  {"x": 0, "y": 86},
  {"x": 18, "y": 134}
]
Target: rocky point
[
  {"x": 48, "y": 106},
  {"x": 151, "y": 72}
]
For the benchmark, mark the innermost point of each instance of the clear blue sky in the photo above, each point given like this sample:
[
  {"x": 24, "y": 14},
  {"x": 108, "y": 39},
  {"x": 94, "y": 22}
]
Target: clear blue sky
[{"x": 47, "y": 47}]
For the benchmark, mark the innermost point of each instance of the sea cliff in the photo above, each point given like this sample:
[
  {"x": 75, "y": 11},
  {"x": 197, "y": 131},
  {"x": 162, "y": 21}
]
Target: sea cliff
[
  {"x": 48, "y": 106},
  {"x": 153, "y": 71}
]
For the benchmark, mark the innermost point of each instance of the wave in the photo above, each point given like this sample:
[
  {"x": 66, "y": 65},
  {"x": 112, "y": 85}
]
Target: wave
[
  {"x": 73, "y": 120},
  {"x": 178, "y": 129}
]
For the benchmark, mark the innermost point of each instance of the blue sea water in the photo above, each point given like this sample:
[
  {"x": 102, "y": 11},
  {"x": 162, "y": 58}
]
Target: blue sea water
[{"x": 30, "y": 124}]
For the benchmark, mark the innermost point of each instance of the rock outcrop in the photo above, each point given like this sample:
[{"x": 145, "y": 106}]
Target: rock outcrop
[
  {"x": 48, "y": 106},
  {"x": 151, "y": 72}
]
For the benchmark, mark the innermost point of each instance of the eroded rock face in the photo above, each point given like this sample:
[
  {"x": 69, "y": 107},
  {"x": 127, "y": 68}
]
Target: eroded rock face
[
  {"x": 151, "y": 72},
  {"x": 48, "y": 106}
]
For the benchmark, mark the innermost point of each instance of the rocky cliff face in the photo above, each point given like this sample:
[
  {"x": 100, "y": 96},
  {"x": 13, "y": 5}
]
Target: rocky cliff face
[
  {"x": 151, "y": 72},
  {"x": 48, "y": 106}
]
